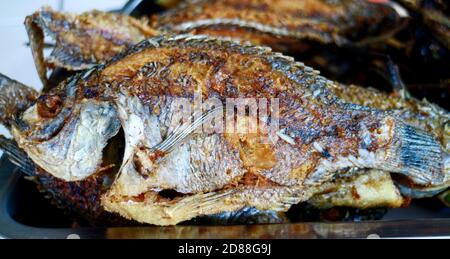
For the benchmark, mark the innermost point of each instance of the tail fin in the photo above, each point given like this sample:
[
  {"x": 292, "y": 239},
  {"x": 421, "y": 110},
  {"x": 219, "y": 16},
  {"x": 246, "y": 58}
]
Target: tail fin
[
  {"x": 418, "y": 155},
  {"x": 14, "y": 97}
]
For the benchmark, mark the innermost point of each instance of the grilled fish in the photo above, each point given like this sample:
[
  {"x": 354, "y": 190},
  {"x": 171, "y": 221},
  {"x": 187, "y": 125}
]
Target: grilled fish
[
  {"x": 173, "y": 172},
  {"x": 94, "y": 37}
]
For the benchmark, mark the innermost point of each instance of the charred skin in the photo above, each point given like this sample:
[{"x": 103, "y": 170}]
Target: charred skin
[
  {"x": 421, "y": 114},
  {"x": 280, "y": 24},
  {"x": 84, "y": 40},
  {"x": 80, "y": 199},
  {"x": 322, "y": 134},
  {"x": 435, "y": 16}
]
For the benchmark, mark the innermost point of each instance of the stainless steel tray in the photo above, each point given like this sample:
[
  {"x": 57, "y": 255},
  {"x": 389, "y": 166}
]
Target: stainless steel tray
[{"x": 24, "y": 213}]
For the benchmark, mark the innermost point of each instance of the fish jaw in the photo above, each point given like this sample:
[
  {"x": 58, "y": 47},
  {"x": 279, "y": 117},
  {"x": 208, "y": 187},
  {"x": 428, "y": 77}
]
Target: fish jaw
[{"x": 75, "y": 152}]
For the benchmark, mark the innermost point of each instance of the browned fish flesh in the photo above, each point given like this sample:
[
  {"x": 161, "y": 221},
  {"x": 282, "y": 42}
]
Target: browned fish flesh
[
  {"x": 94, "y": 37},
  {"x": 84, "y": 40},
  {"x": 15, "y": 97},
  {"x": 280, "y": 24},
  {"x": 170, "y": 173}
]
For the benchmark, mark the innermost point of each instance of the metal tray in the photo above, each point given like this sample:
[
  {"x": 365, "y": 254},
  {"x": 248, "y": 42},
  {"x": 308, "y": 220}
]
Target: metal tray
[{"x": 24, "y": 213}]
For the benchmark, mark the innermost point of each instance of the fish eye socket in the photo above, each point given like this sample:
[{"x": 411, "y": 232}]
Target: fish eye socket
[{"x": 49, "y": 106}]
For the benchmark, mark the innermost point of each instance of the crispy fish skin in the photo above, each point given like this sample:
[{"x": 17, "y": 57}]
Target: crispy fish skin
[
  {"x": 279, "y": 24},
  {"x": 94, "y": 37},
  {"x": 365, "y": 189},
  {"x": 84, "y": 40},
  {"x": 321, "y": 134},
  {"x": 14, "y": 98},
  {"x": 421, "y": 114}
]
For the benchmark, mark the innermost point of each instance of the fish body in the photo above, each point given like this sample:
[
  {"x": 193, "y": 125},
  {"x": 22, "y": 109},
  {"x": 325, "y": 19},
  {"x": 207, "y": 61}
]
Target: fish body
[{"x": 171, "y": 172}]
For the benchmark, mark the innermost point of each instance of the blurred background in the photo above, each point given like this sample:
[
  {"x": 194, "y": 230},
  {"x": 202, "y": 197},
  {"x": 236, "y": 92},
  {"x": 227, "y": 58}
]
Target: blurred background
[{"x": 15, "y": 57}]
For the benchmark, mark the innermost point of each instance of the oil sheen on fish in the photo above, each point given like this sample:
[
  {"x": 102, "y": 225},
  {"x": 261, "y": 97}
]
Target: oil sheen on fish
[
  {"x": 95, "y": 37},
  {"x": 170, "y": 173}
]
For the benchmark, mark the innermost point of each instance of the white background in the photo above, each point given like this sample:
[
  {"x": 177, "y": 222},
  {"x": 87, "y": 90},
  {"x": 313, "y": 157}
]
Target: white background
[{"x": 15, "y": 57}]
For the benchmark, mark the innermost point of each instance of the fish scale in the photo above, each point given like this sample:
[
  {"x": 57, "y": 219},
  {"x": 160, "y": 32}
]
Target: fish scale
[
  {"x": 297, "y": 172},
  {"x": 286, "y": 176}
]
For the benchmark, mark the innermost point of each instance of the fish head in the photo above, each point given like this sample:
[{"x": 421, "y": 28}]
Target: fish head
[{"x": 64, "y": 134}]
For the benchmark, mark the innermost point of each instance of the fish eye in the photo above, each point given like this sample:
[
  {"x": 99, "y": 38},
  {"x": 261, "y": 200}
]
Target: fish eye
[{"x": 48, "y": 106}]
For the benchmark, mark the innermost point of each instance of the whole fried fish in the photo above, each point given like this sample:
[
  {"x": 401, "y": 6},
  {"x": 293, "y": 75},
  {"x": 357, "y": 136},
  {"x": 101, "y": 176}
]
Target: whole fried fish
[
  {"x": 82, "y": 41},
  {"x": 173, "y": 172}
]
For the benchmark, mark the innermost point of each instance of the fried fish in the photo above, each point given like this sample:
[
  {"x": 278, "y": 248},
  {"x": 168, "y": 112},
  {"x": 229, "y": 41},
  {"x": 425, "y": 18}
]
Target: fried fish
[
  {"x": 82, "y": 41},
  {"x": 171, "y": 171}
]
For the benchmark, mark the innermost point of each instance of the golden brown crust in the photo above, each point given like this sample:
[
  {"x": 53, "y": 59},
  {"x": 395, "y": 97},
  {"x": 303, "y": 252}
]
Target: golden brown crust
[
  {"x": 286, "y": 26},
  {"x": 84, "y": 40},
  {"x": 323, "y": 21}
]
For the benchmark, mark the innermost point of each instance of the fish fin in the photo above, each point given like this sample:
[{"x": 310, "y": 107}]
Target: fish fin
[
  {"x": 14, "y": 97},
  {"x": 445, "y": 198},
  {"x": 146, "y": 158},
  {"x": 202, "y": 202},
  {"x": 182, "y": 131},
  {"x": 419, "y": 155},
  {"x": 17, "y": 156}
]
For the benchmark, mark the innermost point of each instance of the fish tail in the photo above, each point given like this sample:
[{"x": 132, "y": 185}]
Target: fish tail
[
  {"x": 14, "y": 97},
  {"x": 17, "y": 156},
  {"x": 418, "y": 154}
]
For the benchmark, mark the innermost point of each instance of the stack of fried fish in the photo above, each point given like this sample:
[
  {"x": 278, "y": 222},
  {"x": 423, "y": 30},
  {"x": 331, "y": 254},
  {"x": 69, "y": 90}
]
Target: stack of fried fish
[{"x": 99, "y": 138}]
